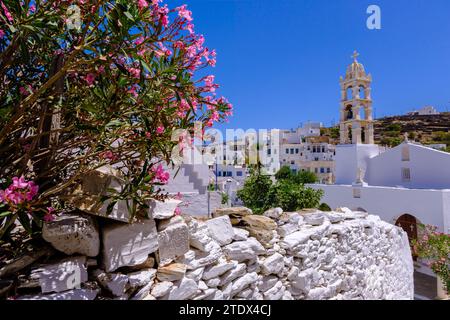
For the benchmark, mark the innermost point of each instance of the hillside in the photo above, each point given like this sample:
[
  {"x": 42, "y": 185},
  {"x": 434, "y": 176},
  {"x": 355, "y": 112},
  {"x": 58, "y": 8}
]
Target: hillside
[{"x": 430, "y": 129}]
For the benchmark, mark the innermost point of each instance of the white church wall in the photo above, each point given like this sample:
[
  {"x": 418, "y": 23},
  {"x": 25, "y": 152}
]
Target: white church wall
[
  {"x": 350, "y": 157},
  {"x": 428, "y": 206},
  {"x": 429, "y": 168}
]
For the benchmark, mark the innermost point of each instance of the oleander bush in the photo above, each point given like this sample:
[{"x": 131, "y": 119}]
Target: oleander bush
[{"x": 86, "y": 84}]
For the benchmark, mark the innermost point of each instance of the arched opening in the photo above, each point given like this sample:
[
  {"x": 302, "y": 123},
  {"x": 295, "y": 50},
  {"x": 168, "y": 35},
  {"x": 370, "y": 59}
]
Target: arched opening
[
  {"x": 349, "y": 134},
  {"x": 362, "y": 113},
  {"x": 349, "y": 112},
  {"x": 409, "y": 224},
  {"x": 349, "y": 93},
  {"x": 363, "y": 134},
  {"x": 362, "y": 92}
]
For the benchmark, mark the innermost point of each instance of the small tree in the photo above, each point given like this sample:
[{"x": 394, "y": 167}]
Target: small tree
[
  {"x": 254, "y": 192},
  {"x": 285, "y": 173},
  {"x": 304, "y": 177}
]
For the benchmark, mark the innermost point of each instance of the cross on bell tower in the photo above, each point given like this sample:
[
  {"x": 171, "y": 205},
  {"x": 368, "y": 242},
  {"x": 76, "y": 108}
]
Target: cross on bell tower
[{"x": 356, "y": 122}]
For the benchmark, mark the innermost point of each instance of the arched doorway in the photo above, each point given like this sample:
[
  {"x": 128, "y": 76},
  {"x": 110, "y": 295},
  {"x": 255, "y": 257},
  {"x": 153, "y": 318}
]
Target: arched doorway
[{"x": 409, "y": 224}]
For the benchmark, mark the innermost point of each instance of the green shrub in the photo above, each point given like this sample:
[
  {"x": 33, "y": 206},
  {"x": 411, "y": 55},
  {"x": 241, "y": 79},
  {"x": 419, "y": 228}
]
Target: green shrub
[
  {"x": 324, "y": 207},
  {"x": 260, "y": 194},
  {"x": 303, "y": 177},
  {"x": 254, "y": 193},
  {"x": 285, "y": 173}
]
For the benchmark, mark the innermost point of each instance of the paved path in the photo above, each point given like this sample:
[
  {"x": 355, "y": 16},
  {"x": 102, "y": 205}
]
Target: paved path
[{"x": 425, "y": 286}]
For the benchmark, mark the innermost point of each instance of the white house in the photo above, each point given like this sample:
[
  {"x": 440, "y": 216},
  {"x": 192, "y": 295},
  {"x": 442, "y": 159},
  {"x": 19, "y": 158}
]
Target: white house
[
  {"x": 405, "y": 185},
  {"x": 425, "y": 111}
]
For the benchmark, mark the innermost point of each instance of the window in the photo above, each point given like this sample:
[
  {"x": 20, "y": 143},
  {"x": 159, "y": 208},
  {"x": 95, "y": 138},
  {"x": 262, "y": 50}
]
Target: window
[
  {"x": 292, "y": 162},
  {"x": 287, "y": 151},
  {"x": 219, "y": 173},
  {"x": 405, "y": 153},
  {"x": 239, "y": 173},
  {"x": 269, "y": 152},
  {"x": 292, "y": 151},
  {"x": 297, "y": 151},
  {"x": 328, "y": 170},
  {"x": 314, "y": 149},
  {"x": 322, "y": 170},
  {"x": 406, "y": 175},
  {"x": 316, "y": 170},
  {"x": 323, "y": 149}
]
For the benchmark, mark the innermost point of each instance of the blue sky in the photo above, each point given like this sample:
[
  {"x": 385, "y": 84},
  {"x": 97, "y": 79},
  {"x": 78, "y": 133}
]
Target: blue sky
[{"x": 279, "y": 61}]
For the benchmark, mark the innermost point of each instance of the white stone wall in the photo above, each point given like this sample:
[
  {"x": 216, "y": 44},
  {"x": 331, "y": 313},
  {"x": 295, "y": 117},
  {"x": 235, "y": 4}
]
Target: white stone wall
[
  {"x": 428, "y": 206},
  {"x": 236, "y": 255}
]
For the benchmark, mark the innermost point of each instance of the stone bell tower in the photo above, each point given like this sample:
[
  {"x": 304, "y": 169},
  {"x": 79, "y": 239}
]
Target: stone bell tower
[
  {"x": 356, "y": 126},
  {"x": 356, "y": 122}
]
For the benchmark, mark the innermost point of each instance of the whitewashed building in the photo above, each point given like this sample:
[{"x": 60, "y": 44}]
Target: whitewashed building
[
  {"x": 425, "y": 111},
  {"x": 405, "y": 185}
]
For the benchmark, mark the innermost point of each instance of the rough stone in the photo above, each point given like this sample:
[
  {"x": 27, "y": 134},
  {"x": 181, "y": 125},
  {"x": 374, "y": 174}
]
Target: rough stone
[
  {"x": 273, "y": 264},
  {"x": 76, "y": 294},
  {"x": 163, "y": 209},
  {"x": 62, "y": 276},
  {"x": 232, "y": 274},
  {"x": 241, "y": 283},
  {"x": 234, "y": 212},
  {"x": 161, "y": 289},
  {"x": 315, "y": 219},
  {"x": 221, "y": 230},
  {"x": 73, "y": 233},
  {"x": 143, "y": 293},
  {"x": 212, "y": 253},
  {"x": 171, "y": 272},
  {"x": 243, "y": 250},
  {"x": 287, "y": 229},
  {"x": 128, "y": 244},
  {"x": 116, "y": 283},
  {"x": 267, "y": 282},
  {"x": 173, "y": 242},
  {"x": 273, "y": 213},
  {"x": 141, "y": 278},
  {"x": 217, "y": 270},
  {"x": 183, "y": 290},
  {"x": 259, "y": 222},
  {"x": 240, "y": 234}
]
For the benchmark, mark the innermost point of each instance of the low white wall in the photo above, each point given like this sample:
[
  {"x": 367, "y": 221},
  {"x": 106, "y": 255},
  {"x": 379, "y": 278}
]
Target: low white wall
[{"x": 428, "y": 206}]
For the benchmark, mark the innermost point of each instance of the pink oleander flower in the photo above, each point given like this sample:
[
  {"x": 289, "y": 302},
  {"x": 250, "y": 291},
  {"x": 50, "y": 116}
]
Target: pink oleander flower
[
  {"x": 90, "y": 78},
  {"x": 161, "y": 175},
  {"x": 49, "y": 215},
  {"x": 142, "y": 4},
  {"x": 184, "y": 13},
  {"x": 139, "y": 40},
  {"x": 19, "y": 191},
  {"x": 179, "y": 196},
  {"x": 177, "y": 211},
  {"x": 7, "y": 13},
  {"x": 2, "y": 34},
  {"x": 160, "y": 130},
  {"x": 135, "y": 72}
]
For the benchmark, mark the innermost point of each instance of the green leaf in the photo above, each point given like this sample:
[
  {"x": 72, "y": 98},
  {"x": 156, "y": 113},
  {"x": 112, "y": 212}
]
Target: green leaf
[{"x": 4, "y": 214}]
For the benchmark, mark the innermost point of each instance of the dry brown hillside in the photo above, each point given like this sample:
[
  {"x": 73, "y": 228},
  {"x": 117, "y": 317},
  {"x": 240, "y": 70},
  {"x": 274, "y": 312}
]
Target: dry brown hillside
[{"x": 390, "y": 130}]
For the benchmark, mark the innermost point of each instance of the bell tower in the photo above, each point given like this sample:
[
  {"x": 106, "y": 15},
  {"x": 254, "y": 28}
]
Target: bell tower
[
  {"x": 357, "y": 144},
  {"x": 356, "y": 122}
]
